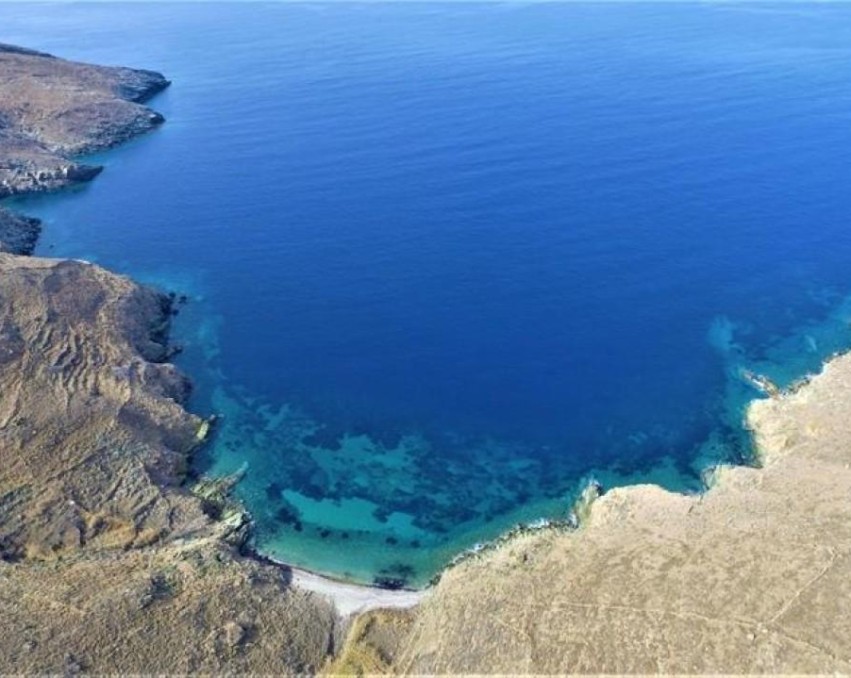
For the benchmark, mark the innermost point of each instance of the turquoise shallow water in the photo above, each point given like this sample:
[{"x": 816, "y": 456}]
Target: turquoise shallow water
[{"x": 447, "y": 261}]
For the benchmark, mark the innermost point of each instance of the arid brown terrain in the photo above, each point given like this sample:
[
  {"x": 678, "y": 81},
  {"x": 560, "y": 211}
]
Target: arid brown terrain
[
  {"x": 112, "y": 562},
  {"x": 51, "y": 110}
]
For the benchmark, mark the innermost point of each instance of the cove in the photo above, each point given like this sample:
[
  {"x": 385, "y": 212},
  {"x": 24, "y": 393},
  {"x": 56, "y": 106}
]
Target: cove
[{"x": 447, "y": 261}]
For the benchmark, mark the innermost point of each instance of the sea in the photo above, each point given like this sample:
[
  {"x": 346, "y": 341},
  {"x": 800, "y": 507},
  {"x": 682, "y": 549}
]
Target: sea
[{"x": 445, "y": 263}]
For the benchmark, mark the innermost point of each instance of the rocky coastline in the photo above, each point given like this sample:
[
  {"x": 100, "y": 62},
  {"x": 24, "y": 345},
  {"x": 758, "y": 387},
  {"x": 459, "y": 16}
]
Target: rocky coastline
[
  {"x": 52, "y": 110},
  {"x": 18, "y": 233},
  {"x": 111, "y": 562},
  {"x": 85, "y": 352},
  {"x": 108, "y": 562},
  {"x": 749, "y": 577}
]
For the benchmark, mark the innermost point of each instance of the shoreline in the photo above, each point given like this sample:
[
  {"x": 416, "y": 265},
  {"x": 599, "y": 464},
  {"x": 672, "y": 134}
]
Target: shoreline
[
  {"x": 80, "y": 173},
  {"x": 348, "y": 598},
  {"x": 750, "y": 574},
  {"x": 20, "y": 233},
  {"x": 146, "y": 93}
]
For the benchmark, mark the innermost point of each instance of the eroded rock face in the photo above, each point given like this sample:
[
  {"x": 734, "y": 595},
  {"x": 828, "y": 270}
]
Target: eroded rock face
[
  {"x": 91, "y": 423},
  {"x": 110, "y": 564},
  {"x": 107, "y": 563},
  {"x": 52, "y": 110},
  {"x": 90, "y": 420}
]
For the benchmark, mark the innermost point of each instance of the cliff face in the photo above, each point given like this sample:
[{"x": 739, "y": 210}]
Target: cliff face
[{"x": 107, "y": 563}]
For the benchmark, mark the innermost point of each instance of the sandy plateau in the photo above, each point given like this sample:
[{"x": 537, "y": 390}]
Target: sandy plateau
[{"x": 114, "y": 560}]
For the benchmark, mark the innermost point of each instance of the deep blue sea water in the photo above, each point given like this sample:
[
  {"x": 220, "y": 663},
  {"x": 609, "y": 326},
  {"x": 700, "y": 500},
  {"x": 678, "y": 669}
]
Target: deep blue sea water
[{"x": 446, "y": 261}]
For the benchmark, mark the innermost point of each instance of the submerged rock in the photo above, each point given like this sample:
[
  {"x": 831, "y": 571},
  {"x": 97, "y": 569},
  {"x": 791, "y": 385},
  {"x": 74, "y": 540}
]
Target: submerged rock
[{"x": 761, "y": 383}]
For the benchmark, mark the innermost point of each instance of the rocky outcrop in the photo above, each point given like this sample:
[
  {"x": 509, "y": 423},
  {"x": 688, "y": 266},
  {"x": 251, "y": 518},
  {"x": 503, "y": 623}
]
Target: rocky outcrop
[
  {"x": 91, "y": 423},
  {"x": 108, "y": 563},
  {"x": 18, "y": 234},
  {"x": 52, "y": 110},
  {"x": 85, "y": 391},
  {"x": 27, "y": 168}
]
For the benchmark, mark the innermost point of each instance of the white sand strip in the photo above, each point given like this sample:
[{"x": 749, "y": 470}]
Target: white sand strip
[{"x": 352, "y": 598}]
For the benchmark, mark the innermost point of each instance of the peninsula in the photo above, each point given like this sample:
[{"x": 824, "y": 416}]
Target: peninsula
[{"x": 114, "y": 559}]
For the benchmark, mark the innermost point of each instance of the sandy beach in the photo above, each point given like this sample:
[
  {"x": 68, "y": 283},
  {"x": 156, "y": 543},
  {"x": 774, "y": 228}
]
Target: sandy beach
[{"x": 349, "y": 599}]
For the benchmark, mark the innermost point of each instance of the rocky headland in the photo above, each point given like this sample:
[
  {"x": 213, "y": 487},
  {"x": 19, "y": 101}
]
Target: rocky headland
[
  {"x": 113, "y": 559},
  {"x": 18, "y": 233},
  {"x": 52, "y": 110}
]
